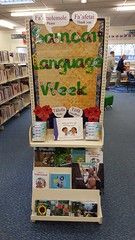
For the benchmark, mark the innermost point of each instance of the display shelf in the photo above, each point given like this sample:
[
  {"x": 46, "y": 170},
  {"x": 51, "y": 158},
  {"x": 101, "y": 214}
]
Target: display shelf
[
  {"x": 50, "y": 142},
  {"x": 13, "y": 63},
  {"x": 20, "y": 93},
  {"x": 66, "y": 194},
  {"x": 26, "y": 105},
  {"x": 14, "y": 79}
]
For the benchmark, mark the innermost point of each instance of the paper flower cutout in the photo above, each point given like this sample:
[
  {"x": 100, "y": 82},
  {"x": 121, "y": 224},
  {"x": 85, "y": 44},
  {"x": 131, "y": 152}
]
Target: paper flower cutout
[
  {"x": 92, "y": 113},
  {"x": 43, "y": 112}
]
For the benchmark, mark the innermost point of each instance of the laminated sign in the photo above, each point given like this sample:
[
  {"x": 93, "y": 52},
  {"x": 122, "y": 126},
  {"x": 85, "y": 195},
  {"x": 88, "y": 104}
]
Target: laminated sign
[{"x": 67, "y": 59}]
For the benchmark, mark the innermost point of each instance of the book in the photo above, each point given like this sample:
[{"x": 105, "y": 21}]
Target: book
[
  {"x": 38, "y": 131},
  {"x": 53, "y": 157},
  {"x": 87, "y": 176},
  {"x": 60, "y": 181},
  {"x": 68, "y": 128},
  {"x": 84, "y": 209},
  {"x": 40, "y": 179},
  {"x": 52, "y": 208},
  {"x": 78, "y": 155},
  {"x": 93, "y": 131}
]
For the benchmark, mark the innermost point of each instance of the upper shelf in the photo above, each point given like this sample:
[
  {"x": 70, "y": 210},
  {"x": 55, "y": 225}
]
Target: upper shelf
[{"x": 50, "y": 142}]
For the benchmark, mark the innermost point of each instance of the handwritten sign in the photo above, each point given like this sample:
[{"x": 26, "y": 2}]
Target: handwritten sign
[
  {"x": 75, "y": 112},
  {"x": 88, "y": 18},
  {"x": 59, "y": 111}
]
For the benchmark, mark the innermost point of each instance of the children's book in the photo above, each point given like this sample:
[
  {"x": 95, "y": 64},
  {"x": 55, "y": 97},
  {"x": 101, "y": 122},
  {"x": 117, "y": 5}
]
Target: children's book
[
  {"x": 84, "y": 209},
  {"x": 52, "y": 208},
  {"x": 78, "y": 155},
  {"x": 53, "y": 157},
  {"x": 93, "y": 131},
  {"x": 60, "y": 181},
  {"x": 87, "y": 176},
  {"x": 40, "y": 179},
  {"x": 38, "y": 131},
  {"x": 68, "y": 128}
]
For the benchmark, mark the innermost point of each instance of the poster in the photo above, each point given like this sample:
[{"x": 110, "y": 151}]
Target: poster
[{"x": 67, "y": 63}]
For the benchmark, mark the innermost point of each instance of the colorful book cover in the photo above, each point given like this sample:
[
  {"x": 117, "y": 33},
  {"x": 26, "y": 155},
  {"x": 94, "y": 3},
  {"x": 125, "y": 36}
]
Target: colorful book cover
[
  {"x": 52, "y": 208},
  {"x": 87, "y": 176},
  {"x": 84, "y": 209},
  {"x": 40, "y": 179},
  {"x": 93, "y": 131},
  {"x": 78, "y": 155},
  {"x": 53, "y": 157},
  {"x": 68, "y": 128},
  {"x": 60, "y": 181}
]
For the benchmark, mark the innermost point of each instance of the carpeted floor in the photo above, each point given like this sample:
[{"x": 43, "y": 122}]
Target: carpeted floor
[{"x": 118, "y": 200}]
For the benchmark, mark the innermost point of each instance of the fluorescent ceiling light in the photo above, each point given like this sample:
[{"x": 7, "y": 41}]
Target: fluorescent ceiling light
[
  {"x": 83, "y": 1},
  {"x": 126, "y": 8},
  {"x": 30, "y": 12},
  {"x": 6, "y": 24},
  {"x": 9, "y": 2}
]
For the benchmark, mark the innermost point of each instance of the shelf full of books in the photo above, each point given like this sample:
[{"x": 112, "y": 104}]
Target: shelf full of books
[
  {"x": 14, "y": 85},
  {"x": 67, "y": 69}
]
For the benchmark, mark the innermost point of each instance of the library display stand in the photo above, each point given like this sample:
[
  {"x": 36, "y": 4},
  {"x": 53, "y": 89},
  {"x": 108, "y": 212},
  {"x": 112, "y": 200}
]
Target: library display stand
[
  {"x": 14, "y": 85},
  {"x": 67, "y": 69}
]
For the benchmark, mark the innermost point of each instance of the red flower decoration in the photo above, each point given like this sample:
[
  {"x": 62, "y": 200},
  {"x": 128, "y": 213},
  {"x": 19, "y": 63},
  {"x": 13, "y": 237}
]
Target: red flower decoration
[
  {"x": 92, "y": 113},
  {"x": 43, "y": 112}
]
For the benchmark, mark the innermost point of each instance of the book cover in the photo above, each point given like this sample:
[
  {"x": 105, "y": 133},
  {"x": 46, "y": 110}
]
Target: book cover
[
  {"x": 53, "y": 157},
  {"x": 52, "y": 208},
  {"x": 40, "y": 179},
  {"x": 87, "y": 176},
  {"x": 60, "y": 181},
  {"x": 93, "y": 131},
  {"x": 68, "y": 128},
  {"x": 84, "y": 209},
  {"x": 78, "y": 155}
]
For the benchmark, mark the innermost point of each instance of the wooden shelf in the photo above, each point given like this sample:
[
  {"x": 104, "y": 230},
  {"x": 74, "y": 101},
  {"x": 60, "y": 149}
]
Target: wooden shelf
[
  {"x": 20, "y": 93},
  {"x": 66, "y": 218},
  {"x": 50, "y": 142},
  {"x": 15, "y": 113},
  {"x": 66, "y": 194},
  {"x": 14, "y": 79}
]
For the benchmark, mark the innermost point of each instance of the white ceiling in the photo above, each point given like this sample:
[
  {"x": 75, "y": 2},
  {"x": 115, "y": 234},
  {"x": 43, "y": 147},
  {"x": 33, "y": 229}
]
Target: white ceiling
[{"x": 102, "y": 7}]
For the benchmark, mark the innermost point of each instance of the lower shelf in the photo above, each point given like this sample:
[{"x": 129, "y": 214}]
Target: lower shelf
[
  {"x": 66, "y": 218},
  {"x": 77, "y": 195}
]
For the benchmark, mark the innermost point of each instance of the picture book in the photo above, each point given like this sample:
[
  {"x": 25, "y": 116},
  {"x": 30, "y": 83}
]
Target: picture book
[
  {"x": 93, "y": 131},
  {"x": 38, "y": 131},
  {"x": 53, "y": 157},
  {"x": 78, "y": 155},
  {"x": 52, "y": 208},
  {"x": 60, "y": 181},
  {"x": 87, "y": 176},
  {"x": 68, "y": 128},
  {"x": 40, "y": 179},
  {"x": 94, "y": 156},
  {"x": 84, "y": 209}
]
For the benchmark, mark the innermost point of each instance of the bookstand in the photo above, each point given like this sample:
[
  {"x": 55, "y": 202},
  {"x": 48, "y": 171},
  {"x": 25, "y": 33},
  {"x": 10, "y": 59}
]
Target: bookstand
[{"x": 41, "y": 197}]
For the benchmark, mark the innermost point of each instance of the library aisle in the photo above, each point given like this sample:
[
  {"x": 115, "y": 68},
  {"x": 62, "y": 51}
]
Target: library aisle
[{"x": 118, "y": 199}]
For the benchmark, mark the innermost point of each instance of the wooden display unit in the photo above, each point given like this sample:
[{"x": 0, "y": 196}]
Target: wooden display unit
[{"x": 47, "y": 81}]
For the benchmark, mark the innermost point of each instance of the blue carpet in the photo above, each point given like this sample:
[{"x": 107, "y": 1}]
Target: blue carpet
[
  {"x": 118, "y": 200},
  {"x": 121, "y": 89}
]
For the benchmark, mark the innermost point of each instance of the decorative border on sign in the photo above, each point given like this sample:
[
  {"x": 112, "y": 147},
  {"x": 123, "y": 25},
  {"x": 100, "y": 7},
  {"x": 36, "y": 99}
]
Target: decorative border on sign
[
  {"x": 104, "y": 69},
  {"x": 30, "y": 69}
]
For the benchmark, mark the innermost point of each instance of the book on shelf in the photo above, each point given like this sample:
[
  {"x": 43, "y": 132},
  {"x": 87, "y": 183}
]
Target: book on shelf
[
  {"x": 68, "y": 128},
  {"x": 78, "y": 155},
  {"x": 60, "y": 180},
  {"x": 40, "y": 179},
  {"x": 53, "y": 157},
  {"x": 84, "y": 209},
  {"x": 93, "y": 131},
  {"x": 52, "y": 208},
  {"x": 89, "y": 174}
]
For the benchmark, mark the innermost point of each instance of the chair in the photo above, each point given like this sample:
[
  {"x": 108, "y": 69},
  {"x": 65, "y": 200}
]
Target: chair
[{"x": 131, "y": 81}]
